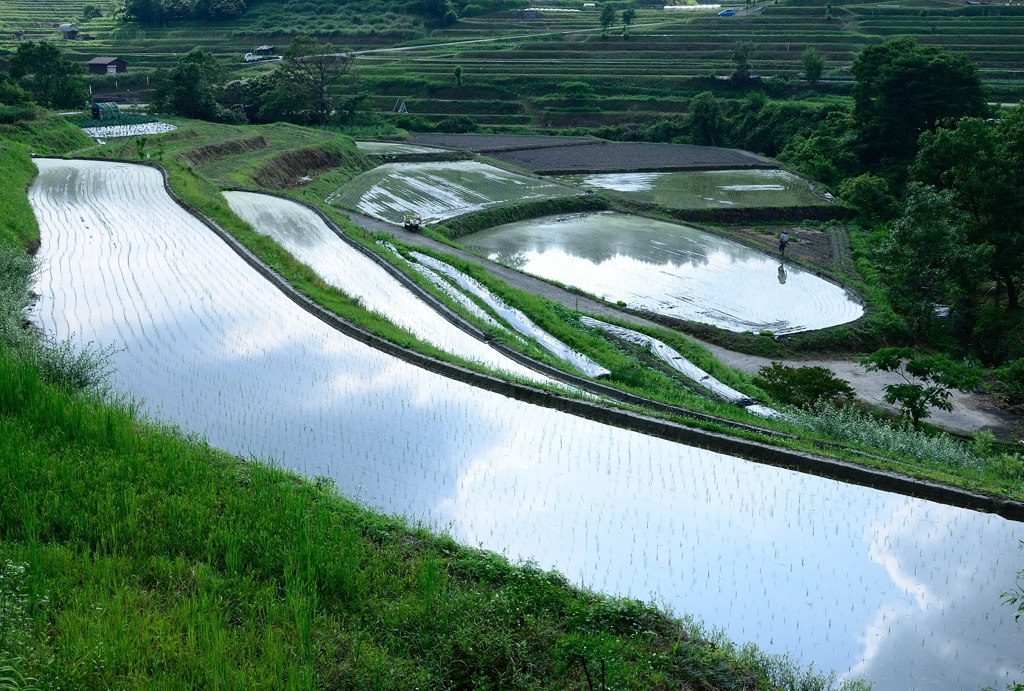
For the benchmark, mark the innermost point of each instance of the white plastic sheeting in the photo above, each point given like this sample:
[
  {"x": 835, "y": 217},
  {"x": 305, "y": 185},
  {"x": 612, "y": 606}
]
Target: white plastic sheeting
[
  {"x": 447, "y": 288},
  {"x": 677, "y": 362},
  {"x": 518, "y": 321},
  {"x": 115, "y": 131},
  {"x": 673, "y": 359}
]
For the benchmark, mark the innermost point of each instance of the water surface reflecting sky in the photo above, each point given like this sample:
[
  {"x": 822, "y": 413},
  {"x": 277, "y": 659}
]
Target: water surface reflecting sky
[
  {"x": 902, "y": 590},
  {"x": 670, "y": 269}
]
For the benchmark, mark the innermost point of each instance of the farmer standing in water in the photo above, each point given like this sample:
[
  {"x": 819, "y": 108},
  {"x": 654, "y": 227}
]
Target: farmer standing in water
[{"x": 783, "y": 241}]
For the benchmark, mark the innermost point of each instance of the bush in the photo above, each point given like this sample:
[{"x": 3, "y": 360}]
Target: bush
[
  {"x": 1011, "y": 376},
  {"x": 10, "y": 115},
  {"x": 456, "y": 124},
  {"x": 803, "y": 387}
]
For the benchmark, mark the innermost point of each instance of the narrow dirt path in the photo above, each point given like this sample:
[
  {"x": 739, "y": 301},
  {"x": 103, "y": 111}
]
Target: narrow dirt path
[{"x": 971, "y": 412}]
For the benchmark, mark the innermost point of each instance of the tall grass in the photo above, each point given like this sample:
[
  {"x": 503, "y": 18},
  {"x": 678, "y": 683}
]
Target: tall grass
[{"x": 853, "y": 426}]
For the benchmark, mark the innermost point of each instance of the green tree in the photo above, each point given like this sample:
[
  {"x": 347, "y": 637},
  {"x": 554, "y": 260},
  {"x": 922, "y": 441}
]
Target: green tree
[
  {"x": 870, "y": 195},
  {"x": 804, "y": 387},
  {"x": 707, "y": 125},
  {"x": 151, "y": 11},
  {"x": 982, "y": 165},
  {"x": 628, "y": 15},
  {"x": 607, "y": 17},
  {"x": 191, "y": 88},
  {"x": 903, "y": 89},
  {"x": 458, "y": 75},
  {"x": 741, "y": 54},
  {"x": 316, "y": 70},
  {"x": 90, "y": 12},
  {"x": 11, "y": 93},
  {"x": 813, "y": 64},
  {"x": 926, "y": 256},
  {"x": 218, "y": 9},
  {"x": 53, "y": 81},
  {"x": 928, "y": 380}
]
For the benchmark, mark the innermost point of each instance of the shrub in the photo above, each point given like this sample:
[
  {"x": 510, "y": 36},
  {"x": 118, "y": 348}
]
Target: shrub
[
  {"x": 803, "y": 387},
  {"x": 456, "y": 124},
  {"x": 1011, "y": 376}
]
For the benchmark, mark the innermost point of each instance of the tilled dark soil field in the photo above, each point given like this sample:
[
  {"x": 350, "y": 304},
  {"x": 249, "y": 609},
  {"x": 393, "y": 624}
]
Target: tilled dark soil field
[
  {"x": 606, "y": 157},
  {"x": 485, "y": 143}
]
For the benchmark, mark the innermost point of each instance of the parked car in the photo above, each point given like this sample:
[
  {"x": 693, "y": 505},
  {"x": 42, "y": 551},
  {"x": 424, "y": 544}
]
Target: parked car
[{"x": 727, "y": 13}]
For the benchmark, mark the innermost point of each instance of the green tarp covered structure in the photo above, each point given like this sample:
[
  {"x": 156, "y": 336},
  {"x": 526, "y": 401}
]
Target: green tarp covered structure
[{"x": 105, "y": 111}]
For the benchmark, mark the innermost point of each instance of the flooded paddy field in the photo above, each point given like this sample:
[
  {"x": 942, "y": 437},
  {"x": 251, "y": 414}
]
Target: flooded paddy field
[
  {"x": 670, "y": 269},
  {"x": 901, "y": 590},
  {"x": 307, "y": 237},
  {"x": 711, "y": 189},
  {"x": 438, "y": 191}
]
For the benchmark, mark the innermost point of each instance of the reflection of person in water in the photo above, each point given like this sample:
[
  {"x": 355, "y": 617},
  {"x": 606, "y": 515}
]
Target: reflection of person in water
[
  {"x": 783, "y": 241},
  {"x": 782, "y": 274}
]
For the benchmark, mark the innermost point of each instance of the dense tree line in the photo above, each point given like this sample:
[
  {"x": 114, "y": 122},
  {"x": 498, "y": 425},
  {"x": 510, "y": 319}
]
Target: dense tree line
[
  {"x": 152, "y": 11},
  {"x": 40, "y": 75},
  {"x": 303, "y": 90}
]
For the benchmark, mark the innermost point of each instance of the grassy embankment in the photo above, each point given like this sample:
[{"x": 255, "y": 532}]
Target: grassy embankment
[
  {"x": 633, "y": 369},
  {"x": 132, "y": 556}
]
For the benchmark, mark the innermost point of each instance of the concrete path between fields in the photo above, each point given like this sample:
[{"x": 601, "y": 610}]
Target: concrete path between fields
[{"x": 971, "y": 413}]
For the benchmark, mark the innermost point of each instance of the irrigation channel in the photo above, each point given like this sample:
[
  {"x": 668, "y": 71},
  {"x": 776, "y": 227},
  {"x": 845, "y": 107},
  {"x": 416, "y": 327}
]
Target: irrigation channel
[
  {"x": 901, "y": 590},
  {"x": 670, "y": 269}
]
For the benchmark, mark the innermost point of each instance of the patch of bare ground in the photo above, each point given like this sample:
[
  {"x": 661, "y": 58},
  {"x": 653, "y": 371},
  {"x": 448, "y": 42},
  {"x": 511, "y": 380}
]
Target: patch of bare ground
[
  {"x": 809, "y": 246},
  {"x": 212, "y": 152}
]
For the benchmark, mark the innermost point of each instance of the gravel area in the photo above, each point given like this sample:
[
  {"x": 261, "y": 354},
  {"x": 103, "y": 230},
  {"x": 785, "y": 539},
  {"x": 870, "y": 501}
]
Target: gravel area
[
  {"x": 483, "y": 143},
  {"x": 627, "y": 157}
]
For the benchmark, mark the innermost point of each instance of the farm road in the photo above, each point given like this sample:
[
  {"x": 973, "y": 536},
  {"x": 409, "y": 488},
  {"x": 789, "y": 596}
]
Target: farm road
[{"x": 971, "y": 412}]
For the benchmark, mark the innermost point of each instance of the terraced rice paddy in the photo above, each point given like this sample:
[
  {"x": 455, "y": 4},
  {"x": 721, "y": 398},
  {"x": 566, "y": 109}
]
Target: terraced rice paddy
[
  {"x": 669, "y": 269},
  {"x": 706, "y": 189},
  {"x": 438, "y": 191},
  {"x": 395, "y": 149},
  {"x": 899, "y": 589},
  {"x": 307, "y": 237}
]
